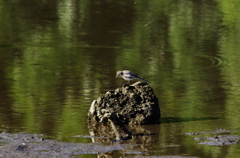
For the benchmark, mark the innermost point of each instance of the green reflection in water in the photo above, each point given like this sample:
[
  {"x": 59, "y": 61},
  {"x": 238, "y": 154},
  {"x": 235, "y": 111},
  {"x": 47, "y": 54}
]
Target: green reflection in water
[
  {"x": 57, "y": 56},
  {"x": 229, "y": 46}
]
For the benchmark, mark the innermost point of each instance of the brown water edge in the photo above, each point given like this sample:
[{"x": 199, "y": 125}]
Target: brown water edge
[{"x": 34, "y": 145}]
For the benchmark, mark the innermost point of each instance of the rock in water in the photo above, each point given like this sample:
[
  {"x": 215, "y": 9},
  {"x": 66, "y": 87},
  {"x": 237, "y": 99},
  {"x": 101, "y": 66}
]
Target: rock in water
[{"x": 130, "y": 104}]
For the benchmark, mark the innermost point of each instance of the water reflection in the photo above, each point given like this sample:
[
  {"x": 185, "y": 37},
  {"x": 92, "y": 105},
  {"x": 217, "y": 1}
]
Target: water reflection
[{"x": 58, "y": 56}]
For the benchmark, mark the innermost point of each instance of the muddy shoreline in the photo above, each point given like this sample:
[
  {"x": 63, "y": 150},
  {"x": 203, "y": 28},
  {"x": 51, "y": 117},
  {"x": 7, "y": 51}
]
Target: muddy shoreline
[{"x": 35, "y": 145}]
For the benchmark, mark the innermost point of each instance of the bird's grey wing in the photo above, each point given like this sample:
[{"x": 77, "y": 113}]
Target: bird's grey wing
[{"x": 128, "y": 76}]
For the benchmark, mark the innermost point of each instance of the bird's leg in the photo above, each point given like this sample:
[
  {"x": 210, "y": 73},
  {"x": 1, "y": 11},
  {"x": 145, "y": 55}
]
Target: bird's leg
[{"x": 126, "y": 84}]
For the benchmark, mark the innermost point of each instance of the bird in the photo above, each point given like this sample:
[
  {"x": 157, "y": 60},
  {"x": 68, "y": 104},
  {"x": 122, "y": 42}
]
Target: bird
[{"x": 128, "y": 76}]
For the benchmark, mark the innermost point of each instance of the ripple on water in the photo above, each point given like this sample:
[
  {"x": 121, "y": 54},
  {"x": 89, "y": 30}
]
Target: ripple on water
[
  {"x": 215, "y": 61},
  {"x": 218, "y": 61}
]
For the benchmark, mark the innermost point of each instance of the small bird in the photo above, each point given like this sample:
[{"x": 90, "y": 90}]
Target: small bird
[{"x": 128, "y": 76}]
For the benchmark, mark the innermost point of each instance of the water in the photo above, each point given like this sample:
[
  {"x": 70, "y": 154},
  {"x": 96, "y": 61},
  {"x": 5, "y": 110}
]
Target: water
[{"x": 56, "y": 57}]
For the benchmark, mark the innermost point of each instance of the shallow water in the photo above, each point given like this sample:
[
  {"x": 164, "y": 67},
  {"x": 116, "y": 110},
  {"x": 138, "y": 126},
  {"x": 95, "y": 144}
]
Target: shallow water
[{"x": 56, "y": 57}]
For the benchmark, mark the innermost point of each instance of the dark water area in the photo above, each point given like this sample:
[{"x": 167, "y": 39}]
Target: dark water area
[{"x": 56, "y": 57}]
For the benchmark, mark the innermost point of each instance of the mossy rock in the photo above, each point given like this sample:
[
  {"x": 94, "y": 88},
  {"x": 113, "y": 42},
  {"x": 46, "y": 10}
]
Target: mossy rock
[{"x": 131, "y": 104}]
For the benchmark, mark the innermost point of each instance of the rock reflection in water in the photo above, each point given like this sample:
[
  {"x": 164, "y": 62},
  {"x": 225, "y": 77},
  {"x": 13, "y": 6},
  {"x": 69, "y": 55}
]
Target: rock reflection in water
[{"x": 144, "y": 137}]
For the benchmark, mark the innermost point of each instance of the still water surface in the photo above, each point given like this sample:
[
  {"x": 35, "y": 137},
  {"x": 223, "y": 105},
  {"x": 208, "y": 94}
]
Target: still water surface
[{"x": 56, "y": 57}]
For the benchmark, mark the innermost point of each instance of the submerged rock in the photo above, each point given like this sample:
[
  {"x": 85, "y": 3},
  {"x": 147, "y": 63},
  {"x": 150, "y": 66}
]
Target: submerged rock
[
  {"x": 219, "y": 140},
  {"x": 220, "y": 137},
  {"x": 130, "y": 104}
]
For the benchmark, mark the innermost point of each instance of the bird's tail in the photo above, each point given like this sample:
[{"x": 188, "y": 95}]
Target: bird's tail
[{"x": 143, "y": 79}]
